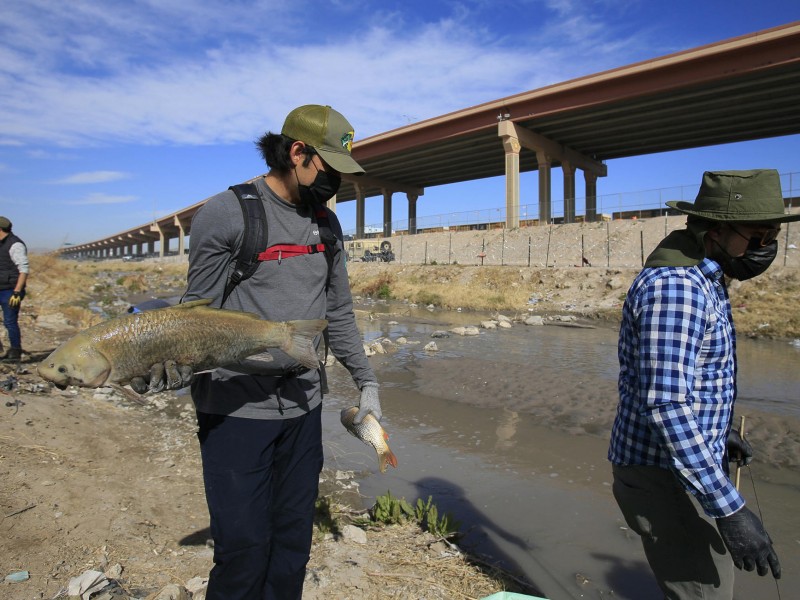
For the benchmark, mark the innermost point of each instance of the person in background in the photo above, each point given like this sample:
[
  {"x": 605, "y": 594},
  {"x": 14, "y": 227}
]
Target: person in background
[
  {"x": 14, "y": 270},
  {"x": 677, "y": 386},
  {"x": 260, "y": 427}
]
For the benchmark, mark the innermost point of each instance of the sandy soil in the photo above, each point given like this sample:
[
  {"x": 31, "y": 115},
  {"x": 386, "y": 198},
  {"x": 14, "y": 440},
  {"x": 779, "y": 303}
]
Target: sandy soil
[{"x": 89, "y": 480}]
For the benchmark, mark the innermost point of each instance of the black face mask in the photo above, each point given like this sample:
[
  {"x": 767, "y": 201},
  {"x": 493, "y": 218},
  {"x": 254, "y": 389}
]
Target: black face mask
[
  {"x": 322, "y": 189},
  {"x": 755, "y": 260}
]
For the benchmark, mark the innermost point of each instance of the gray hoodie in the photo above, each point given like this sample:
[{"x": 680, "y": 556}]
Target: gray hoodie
[{"x": 292, "y": 288}]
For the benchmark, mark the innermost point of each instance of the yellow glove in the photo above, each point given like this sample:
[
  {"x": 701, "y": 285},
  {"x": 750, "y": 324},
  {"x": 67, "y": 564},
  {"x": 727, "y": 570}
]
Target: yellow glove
[{"x": 15, "y": 300}]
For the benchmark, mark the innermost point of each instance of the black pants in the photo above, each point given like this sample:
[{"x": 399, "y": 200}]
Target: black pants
[{"x": 261, "y": 479}]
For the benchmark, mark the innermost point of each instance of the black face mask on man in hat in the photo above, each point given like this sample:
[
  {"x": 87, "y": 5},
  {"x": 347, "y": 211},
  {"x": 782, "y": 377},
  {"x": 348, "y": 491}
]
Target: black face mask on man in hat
[
  {"x": 322, "y": 189},
  {"x": 755, "y": 260}
]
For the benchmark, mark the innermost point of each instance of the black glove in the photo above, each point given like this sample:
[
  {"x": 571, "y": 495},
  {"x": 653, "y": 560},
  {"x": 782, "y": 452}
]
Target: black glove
[
  {"x": 749, "y": 544},
  {"x": 163, "y": 376},
  {"x": 739, "y": 450}
]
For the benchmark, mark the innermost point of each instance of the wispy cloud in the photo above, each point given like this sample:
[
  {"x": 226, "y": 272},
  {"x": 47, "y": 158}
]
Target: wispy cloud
[
  {"x": 92, "y": 177},
  {"x": 103, "y": 199},
  {"x": 194, "y": 76}
]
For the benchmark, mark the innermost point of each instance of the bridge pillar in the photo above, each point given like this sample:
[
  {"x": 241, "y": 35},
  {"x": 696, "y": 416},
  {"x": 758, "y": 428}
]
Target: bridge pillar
[
  {"x": 359, "y": 211},
  {"x": 331, "y": 204},
  {"x": 569, "y": 192},
  {"x": 412, "y": 213},
  {"x": 512, "y": 148},
  {"x": 387, "y": 212},
  {"x": 545, "y": 209},
  {"x": 591, "y": 195}
]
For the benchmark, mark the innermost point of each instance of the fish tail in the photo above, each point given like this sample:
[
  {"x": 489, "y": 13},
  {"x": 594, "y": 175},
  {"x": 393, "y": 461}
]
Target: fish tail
[
  {"x": 300, "y": 342},
  {"x": 387, "y": 458}
]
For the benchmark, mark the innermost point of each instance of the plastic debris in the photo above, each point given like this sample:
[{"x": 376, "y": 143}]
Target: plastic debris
[
  {"x": 86, "y": 584},
  {"x": 18, "y": 576}
]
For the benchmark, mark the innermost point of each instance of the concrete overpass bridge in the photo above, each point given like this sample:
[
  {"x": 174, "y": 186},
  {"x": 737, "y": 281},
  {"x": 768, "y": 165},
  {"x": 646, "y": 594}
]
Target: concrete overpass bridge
[{"x": 739, "y": 89}]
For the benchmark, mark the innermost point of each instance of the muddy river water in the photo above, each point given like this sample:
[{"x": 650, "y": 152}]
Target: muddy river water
[{"x": 508, "y": 431}]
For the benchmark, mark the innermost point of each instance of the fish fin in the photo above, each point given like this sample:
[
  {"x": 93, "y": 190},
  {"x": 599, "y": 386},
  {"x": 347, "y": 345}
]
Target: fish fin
[
  {"x": 300, "y": 345},
  {"x": 193, "y": 303},
  {"x": 386, "y": 459},
  {"x": 128, "y": 394}
]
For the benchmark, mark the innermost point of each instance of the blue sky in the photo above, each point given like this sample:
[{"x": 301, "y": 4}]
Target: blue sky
[{"x": 114, "y": 111}]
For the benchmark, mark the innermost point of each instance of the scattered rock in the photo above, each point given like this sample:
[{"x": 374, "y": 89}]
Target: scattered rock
[
  {"x": 468, "y": 330},
  {"x": 351, "y": 533},
  {"x": 172, "y": 592}
]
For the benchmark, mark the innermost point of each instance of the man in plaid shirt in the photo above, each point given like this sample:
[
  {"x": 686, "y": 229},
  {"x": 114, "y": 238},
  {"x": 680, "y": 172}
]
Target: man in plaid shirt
[{"x": 677, "y": 386}]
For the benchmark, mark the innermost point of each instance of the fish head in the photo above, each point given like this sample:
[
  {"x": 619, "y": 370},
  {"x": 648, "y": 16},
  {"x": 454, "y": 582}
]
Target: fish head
[{"x": 75, "y": 363}]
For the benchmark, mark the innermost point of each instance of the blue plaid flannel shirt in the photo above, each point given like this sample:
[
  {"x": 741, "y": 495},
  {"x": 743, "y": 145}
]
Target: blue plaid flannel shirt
[{"x": 677, "y": 381}]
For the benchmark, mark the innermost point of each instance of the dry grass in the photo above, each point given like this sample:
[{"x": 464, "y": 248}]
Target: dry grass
[
  {"x": 406, "y": 562},
  {"x": 768, "y": 306}
]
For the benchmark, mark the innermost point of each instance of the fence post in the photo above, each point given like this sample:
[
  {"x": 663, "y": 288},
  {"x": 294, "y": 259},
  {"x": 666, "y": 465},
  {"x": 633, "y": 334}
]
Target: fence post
[
  {"x": 426, "y": 253},
  {"x": 503, "y": 249},
  {"x": 529, "y": 251},
  {"x": 547, "y": 254},
  {"x": 786, "y": 245},
  {"x": 450, "y": 250},
  {"x": 608, "y": 244},
  {"x": 583, "y": 253},
  {"x": 641, "y": 245}
]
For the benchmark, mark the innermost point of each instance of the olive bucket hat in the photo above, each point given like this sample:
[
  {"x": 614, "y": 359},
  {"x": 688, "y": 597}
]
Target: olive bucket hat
[
  {"x": 325, "y": 130},
  {"x": 738, "y": 196}
]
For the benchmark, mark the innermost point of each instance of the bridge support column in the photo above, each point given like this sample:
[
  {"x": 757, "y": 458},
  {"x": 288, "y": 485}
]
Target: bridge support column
[
  {"x": 359, "y": 212},
  {"x": 412, "y": 213},
  {"x": 545, "y": 208},
  {"x": 387, "y": 213},
  {"x": 569, "y": 192},
  {"x": 591, "y": 196},
  {"x": 331, "y": 204},
  {"x": 512, "y": 148}
]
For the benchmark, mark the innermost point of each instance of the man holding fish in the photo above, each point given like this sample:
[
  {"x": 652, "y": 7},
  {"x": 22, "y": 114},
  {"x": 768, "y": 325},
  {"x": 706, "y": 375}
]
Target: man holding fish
[
  {"x": 260, "y": 421},
  {"x": 259, "y": 413}
]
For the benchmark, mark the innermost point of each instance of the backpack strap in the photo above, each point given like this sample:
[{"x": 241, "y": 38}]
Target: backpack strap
[
  {"x": 328, "y": 239},
  {"x": 254, "y": 238}
]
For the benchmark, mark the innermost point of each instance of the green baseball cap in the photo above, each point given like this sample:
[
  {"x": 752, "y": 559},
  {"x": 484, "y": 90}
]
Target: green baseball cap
[
  {"x": 5, "y": 223},
  {"x": 325, "y": 130},
  {"x": 753, "y": 196}
]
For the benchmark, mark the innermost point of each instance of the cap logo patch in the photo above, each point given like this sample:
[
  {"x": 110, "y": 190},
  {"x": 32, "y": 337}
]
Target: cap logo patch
[{"x": 347, "y": 141}]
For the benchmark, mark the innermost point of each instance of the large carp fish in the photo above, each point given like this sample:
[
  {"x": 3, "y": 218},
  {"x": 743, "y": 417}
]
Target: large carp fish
[
  {"x": 371, "y": 433},
  {"x": 193, "y": 334}
]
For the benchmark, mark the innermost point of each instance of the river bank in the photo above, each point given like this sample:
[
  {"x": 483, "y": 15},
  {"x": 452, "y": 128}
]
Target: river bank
[{"x": 90, "y": 481}]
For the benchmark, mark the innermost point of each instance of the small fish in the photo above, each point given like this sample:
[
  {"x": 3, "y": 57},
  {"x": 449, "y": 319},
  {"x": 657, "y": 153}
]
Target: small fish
[
  {"x": 371, "y": 433},
  {"x": 194, "y": 334}
]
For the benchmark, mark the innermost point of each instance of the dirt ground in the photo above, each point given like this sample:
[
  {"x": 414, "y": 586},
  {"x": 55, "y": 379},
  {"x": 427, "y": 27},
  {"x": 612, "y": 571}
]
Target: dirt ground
[{"x": 92, "y": 481}]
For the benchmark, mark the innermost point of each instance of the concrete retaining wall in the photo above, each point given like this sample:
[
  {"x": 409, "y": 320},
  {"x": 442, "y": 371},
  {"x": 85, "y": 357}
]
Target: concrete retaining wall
[{"x": 622, "y": 243}]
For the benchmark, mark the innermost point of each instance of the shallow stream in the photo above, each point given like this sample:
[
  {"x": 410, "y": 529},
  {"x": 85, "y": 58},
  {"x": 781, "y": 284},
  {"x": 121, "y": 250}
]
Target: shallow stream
[{"x": 508, "y": 432}]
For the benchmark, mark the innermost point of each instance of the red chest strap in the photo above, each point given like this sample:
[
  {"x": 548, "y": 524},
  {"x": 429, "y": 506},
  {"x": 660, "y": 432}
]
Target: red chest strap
[{"x": 281, "y": 251}]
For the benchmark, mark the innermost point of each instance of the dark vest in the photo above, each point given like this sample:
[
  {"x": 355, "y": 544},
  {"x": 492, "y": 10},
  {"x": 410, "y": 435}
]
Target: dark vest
[{"x": 9, "y": 273}]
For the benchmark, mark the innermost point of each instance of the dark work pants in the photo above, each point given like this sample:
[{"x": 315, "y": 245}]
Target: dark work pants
[
  {"x": 10, "y": 318},
  {"x": 261, "y": 479},
  {"x": 682, "y": 545}
]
